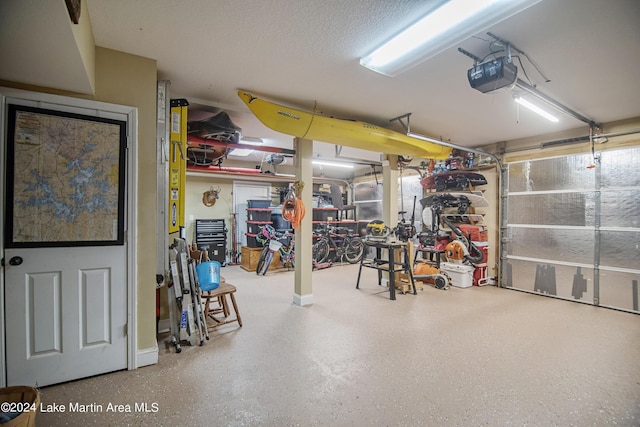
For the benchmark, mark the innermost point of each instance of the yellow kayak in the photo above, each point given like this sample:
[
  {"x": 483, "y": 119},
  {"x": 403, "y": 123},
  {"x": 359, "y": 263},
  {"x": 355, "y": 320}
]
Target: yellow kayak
[{"x": 350, "y": 133}]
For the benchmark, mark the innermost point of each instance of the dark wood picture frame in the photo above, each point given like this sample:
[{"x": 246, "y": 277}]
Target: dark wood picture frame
[{"x": 12, "y": 207}]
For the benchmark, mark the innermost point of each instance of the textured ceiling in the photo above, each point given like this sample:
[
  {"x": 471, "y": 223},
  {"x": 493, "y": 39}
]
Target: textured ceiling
[{"x": 305, "y": 54}]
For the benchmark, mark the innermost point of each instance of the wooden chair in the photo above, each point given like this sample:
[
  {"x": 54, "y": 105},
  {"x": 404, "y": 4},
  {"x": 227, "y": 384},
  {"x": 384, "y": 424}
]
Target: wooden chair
[
  {"x": 220, "y": 311},
  {"x": 215, "y": 301}
]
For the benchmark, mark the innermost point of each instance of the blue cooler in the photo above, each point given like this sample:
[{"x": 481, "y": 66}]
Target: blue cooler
[{"x": 209, "y": 275}]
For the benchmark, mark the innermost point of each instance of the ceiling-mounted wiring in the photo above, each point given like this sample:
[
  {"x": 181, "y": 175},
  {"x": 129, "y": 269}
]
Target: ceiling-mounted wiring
[
  {"x": 523, "y": 54},
  {"x": 495, "y": 74},
  {"x": 506, "y": 47}
]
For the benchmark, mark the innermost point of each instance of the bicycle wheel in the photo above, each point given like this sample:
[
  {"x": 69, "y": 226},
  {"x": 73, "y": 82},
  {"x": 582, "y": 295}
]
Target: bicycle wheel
[
  {"x": 292, "y": 257},
  {"x": 267, "y": 262},
  {"x": 354, "y": 249},
  {"x": 262, "y": 259},
  {"x": 320, "y": 251}
]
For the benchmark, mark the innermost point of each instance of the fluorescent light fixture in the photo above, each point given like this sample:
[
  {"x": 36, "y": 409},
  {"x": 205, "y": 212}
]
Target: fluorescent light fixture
[
  {"x": 336, "y": 164},
  {"x": 520, "y": 100},
  {"x": 240, "y": 152},
  {"x": 251, "y": 140},
  {"x": 448, "y": 25}
]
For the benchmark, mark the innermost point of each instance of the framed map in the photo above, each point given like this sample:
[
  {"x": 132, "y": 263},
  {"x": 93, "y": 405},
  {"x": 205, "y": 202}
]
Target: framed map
[{"x": 65, "y": 179}]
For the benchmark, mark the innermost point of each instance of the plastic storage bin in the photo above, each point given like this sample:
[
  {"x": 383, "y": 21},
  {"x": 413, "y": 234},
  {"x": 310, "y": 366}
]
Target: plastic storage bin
[
  {"x": 325, "y": 214},
  {"x": 254, "y": 227},
  {"x": 259, "y": 214},
  {"x": 279, "y": 223},
  {"x": 252, "y": 242},
  {"x": 258, "y": 204}
]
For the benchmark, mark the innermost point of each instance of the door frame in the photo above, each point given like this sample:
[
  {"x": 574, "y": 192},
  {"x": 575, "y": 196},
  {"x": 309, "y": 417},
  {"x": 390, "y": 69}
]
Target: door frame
[
  {"x": 56, "y": 102},
  {"x": 246, "y": 185}
]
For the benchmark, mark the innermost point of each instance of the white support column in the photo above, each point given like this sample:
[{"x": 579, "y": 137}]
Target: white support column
[
  {"x": 304, "y": 172},
  {"x": 390, "y": 175}
]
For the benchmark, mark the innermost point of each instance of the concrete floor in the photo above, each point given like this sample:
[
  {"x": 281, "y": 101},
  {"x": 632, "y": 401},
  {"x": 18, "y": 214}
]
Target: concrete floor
[{"x": 475, "y": 356}]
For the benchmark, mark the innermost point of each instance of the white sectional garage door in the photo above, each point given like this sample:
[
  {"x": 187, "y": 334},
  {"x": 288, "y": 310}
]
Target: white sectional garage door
[{"x": 573, "y": 231}]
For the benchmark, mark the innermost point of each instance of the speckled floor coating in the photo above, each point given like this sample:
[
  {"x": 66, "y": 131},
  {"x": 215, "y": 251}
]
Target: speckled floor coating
[{"x": 461, "y": 357}]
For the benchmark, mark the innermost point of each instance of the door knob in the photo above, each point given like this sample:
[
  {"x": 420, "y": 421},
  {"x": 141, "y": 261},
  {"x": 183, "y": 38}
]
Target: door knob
[{"x": 16, "y": 260}]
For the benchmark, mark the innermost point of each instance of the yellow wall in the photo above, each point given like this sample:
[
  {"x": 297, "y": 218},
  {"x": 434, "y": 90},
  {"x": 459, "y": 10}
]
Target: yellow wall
[
  {"x": 83, "y": 36},
  {"x": 196, "y": 186},
  {"x": 131, "y": 80}
]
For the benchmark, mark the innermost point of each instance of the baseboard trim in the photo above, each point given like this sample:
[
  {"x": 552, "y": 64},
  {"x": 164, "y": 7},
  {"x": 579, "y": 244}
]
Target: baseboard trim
[
  {"x": 303, "y": 300},
  {"x": 147, "y": 356},
  {"x": 164, "y": 326}
]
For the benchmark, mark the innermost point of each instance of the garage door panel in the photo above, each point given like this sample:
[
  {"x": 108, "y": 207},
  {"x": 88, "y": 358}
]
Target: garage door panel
[
  {"x": 563, "y": 281},
  {"x": 620, "y": 208},
  {"x": 620, "y": 249},
  {"x": 619, "y": 290},
  {"x": 569, "y": 225},
  {"x": 560, "y": 173},
  {"x": 552, "y": 244},
  {"x": 574, "y": 209},
  {"x": 619, "y": 168}
]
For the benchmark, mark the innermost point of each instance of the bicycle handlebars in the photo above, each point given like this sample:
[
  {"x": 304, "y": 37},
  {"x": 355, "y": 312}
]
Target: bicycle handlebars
[{"x": 267, "y": 232}]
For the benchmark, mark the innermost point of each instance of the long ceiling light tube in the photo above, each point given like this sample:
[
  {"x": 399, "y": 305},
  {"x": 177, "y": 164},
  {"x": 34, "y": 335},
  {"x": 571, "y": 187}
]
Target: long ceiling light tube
[
  {"x": 335, "y": 164},
  {"x": 555, "y": 104},
  {"x": 532, "y": 107},
  {"x": 442, "y": 28}
]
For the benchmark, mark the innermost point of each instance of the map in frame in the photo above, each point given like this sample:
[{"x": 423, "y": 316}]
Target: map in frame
[{"x": 68, "y": 179}]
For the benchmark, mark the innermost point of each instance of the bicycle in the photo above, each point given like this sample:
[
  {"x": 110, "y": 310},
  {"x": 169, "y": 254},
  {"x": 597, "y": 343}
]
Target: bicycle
[
  {"x": 273, "y": 242},
  {"x": 341, "y": 242}
]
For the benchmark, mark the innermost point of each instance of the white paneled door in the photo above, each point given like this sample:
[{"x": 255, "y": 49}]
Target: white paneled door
[
  {"x": 243, "y": 191},
  {"x": 65, "y": 245},
  {"x": 66, "y": 313}
]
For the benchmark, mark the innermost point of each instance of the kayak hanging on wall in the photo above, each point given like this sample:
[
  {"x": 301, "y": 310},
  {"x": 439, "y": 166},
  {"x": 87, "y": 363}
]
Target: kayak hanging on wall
[
  {"x": 456, "y": 179},
  {"x": 350, "y": 133},
  {"x": 219, "y": 128}
]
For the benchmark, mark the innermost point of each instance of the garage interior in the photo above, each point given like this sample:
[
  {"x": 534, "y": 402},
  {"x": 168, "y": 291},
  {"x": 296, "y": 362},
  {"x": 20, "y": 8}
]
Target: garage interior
[{"x": 551, "y": 334}]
